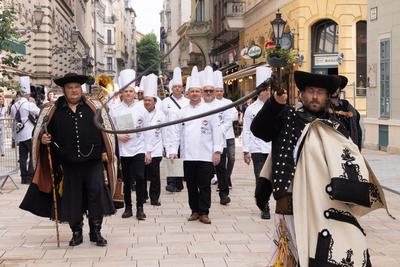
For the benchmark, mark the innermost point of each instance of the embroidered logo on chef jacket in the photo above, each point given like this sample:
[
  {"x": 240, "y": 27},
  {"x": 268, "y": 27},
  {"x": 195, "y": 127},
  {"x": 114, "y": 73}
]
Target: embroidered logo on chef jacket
[
  {"x": 204, "y": 127},
  {"x": 157, "y": 132}
]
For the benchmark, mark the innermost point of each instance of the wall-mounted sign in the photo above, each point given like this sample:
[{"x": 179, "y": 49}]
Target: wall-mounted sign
[
  {"x": 254, "y": 51},
  {"x": 326, "y": 60},
  {"x": 244, "y": 53}
]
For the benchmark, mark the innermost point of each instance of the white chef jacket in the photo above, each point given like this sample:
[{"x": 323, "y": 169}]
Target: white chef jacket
[
  {"x": 25, "y": 108},
  {"x": 229, "y": 116},
  {"x": 168, "y": 105},
  {"x": 251, "y": 143},
  {"x": 199, "y": 138},
  {"x": 139, "y": 142},
  {"x": 158, "y": 135}
]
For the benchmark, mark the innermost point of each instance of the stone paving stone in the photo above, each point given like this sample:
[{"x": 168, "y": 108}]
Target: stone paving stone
[
  {"x": 147, "y": 263},
  {"x": 190, "y": 262},
  {"x": 236, "y": 237}
]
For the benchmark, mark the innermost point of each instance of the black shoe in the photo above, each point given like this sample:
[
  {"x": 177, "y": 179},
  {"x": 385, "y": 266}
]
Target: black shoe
[
  {"x": 155, "y": 203},
  {"x": 127, "y": 213},
  {"x": 265, "y": 214},
  {"x": 95, "y": 234},
  {"x": 140, "y": 214},
  {"x": 76, "y": 239},
  {"x": 171, "y": 188},
  {"x": 225, "y": 200}
]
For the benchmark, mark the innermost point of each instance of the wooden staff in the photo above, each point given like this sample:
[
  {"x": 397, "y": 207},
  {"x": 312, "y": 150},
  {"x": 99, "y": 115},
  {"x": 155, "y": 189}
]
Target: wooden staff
[{"x": 53, "y": 186}]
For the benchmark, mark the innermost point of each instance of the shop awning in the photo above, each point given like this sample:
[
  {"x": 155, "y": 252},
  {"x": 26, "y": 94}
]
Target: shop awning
[{"x": 250, "y": 70}]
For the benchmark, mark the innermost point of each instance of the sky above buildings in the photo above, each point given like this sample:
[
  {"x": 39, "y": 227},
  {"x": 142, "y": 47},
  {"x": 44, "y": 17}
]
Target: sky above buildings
[{"x": 148, "y": 15}]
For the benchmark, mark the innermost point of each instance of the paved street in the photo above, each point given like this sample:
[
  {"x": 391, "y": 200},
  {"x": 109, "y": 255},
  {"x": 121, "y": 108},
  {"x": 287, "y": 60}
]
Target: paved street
[{"x": 236, "y": 237}]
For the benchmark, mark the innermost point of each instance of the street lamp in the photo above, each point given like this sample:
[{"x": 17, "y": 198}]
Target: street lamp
[
  {"x": 38, "y": 15},
  {"x": 278, "y": 26}
]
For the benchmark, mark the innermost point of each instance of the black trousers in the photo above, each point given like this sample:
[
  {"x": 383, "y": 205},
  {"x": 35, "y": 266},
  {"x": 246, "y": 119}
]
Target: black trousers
[
  {"x": 230, "y": 155},
  {"x": 198, "y": 176},
  {"x": 152, "y": 174},
  {"x": 258, "y": 163},
  {"x": 221, "y": 172},
  {"x": 133, "y": 170},
  {"x": 84, "y": 191},
  {"x": 25, "y": 160}
]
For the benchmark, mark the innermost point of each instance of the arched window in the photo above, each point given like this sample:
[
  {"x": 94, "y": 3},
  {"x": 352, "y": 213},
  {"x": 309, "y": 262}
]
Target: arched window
[{"x": 326, "y": 39}]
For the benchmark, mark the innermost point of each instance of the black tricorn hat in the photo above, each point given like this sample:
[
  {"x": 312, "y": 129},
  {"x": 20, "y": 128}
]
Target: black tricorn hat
[
  {"x": 343, "y": 81},
  {"x": 71, "y": 78},
  {"x": 304, "y": 79}
]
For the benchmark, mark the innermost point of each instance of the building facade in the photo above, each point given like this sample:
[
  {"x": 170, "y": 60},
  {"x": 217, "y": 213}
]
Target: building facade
[
  {"x": 73, "y": 36},
  {"x": 326, "y": 37},
  {"x": 382, "y": 123}
]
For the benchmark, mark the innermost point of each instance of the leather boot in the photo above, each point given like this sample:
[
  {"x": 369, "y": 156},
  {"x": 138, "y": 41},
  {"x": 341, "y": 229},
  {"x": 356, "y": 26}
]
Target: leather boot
[
  {"x": 94, "y": 234},
  {"x": 127, "y": 213},
  {"x": 140, "y": 214},
  {"x": 77, "y": 237},
  {"x": 265, "y": 214}
]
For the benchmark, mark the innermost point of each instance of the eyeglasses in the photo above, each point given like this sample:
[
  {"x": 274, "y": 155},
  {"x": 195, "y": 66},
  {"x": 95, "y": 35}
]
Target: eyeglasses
[{"x": 208, "y": 91}]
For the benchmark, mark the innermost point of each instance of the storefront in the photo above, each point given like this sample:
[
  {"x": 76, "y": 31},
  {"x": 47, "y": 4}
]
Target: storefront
[{"x": 328, "y": 37}]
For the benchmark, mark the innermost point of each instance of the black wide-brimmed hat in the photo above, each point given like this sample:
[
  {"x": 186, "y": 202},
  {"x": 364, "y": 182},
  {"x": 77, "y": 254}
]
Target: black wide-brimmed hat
[
  {"x": 71, "y": 78},
  {"x": 343, "y": 81},
  {"x": 304, "y": 79}
]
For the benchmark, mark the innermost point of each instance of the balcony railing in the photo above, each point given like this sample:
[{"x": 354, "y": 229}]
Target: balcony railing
[{"x": 235, "y": 9}]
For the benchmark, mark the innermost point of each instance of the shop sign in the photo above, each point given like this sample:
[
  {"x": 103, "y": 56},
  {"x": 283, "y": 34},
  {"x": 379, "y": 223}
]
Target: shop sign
[
  {"x": 254, "y": 51},
  {"x": 326, "y": 60},
  {"x": 244, "y": 53}
]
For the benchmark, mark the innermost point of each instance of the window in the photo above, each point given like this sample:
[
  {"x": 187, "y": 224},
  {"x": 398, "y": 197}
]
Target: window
[
  {"x": 327, "y": 37},
  {"x": 109, "y": 40},
  {"x": 384, "y": 70},
  {"x": 109, "y": 64},
  {"x": 200, "y": 11},
  {"x": 361, "y": 68}
]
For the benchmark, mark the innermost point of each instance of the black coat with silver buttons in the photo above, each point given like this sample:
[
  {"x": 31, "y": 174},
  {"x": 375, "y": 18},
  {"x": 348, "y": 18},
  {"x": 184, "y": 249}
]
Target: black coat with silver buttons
[
  {"x": 283, "y": 125},
  {"x": 74, "y": 135}
]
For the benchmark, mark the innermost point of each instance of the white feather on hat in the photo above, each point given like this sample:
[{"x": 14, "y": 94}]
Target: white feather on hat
[
  {"x": 125, "y": 77},
  {"x": 177, "y": 78},
  {"x": 208, "y": 77},
  {"x": 218, "y": 80},
  {"x": 262, "y": 73},
  {"x": 25, "y": 84},
  {"x": 150, "y": 88}
]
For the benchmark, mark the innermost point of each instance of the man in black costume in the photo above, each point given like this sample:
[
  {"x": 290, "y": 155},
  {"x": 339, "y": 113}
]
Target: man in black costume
[
  {"x": 81, "y": 152},
  {"x": 283, "y": 124}
]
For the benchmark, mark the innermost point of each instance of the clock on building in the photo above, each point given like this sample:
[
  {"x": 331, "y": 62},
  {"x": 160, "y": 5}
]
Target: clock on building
[{"x": 286, "y": 41}]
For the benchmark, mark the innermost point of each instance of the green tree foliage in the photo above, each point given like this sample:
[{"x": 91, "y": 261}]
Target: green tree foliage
[
  {"x": 148, "y": 53},
  {"x": 8, "y": 33}
]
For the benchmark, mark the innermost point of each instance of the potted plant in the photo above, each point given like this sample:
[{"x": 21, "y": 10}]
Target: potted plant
[{"x": 278, "y": 57}]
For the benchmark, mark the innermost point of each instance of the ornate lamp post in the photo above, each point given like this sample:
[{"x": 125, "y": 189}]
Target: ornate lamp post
[
  {"x": 278, "y": 26},
  {"x": 275, "y": 59},
  {"x": 38, "y": 15}
]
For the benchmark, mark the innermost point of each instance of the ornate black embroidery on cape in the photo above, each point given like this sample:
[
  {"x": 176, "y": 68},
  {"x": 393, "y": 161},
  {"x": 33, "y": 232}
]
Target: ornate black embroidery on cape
[
  {"x": 374, "y": 194},
  {"x": 350, "y": 187},
  {"x": 351, "y": 170},
  {"x": 323, "y": 254},
  {"x": 343, "y": 216},
  {"x": 366, "y": 262}
]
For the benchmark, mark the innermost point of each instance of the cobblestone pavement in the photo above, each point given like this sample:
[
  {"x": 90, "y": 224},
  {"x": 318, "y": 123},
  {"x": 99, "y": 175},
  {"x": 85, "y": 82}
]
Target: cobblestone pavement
[{"x": 236, "y": 237}]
